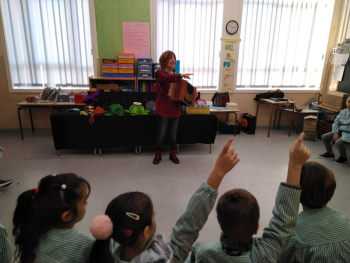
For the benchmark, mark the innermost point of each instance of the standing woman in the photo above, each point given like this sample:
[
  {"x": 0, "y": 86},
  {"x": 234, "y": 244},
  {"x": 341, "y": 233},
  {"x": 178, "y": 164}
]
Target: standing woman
[{"x": 168, "y": 112}]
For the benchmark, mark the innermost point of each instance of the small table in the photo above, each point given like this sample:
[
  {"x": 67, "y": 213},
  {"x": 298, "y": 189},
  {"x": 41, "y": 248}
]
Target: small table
[
  {"x": 51, "y": 105},
  {"x": 290, "y": 104},
  {"x": 296, "y": 114},
  {"x": 228, "y": 112}
]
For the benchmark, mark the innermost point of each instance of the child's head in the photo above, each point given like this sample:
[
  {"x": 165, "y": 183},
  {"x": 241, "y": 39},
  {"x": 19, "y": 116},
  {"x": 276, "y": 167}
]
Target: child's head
[
  {"x": 317, "y": 184},
  {"x": 129, "y": 220},
  {"x": 348, "y": 103},
  {"x": 59, "y": 201},
  {"x": 238, "y": 215},
  {"x": 165, "y": 57}
]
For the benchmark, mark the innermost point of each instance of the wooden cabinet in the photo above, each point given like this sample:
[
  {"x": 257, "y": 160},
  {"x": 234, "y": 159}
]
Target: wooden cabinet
[
  {"x": 123, "y": 84},
  {"x": 115, "y": 84}
]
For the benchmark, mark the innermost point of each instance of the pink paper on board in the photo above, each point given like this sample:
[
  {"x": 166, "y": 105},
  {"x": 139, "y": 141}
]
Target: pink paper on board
[{"x": 136, "y": 39}]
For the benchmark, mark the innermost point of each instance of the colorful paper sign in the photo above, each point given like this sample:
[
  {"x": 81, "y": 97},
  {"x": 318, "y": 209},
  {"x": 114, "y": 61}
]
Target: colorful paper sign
[{"x": 136, "y": 39}]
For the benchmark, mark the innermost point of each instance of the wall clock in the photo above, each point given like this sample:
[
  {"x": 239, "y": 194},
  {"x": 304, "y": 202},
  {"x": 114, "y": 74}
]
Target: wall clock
[{"x": 232, "y": 27}]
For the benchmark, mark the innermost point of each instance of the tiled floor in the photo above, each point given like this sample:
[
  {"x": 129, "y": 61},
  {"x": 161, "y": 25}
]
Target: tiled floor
[{"x": 263, "y": 166}]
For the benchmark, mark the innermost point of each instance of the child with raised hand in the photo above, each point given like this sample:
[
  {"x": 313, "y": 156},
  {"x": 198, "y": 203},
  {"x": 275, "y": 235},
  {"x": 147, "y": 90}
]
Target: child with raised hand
[
  {"x": 129, "y": 221},
  {"x": 321, "y": 234},
  {"x": 44, "y": 219},
  {"x": 238, "y": 216}
]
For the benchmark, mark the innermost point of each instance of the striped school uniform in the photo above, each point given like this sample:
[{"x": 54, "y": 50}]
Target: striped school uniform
[
  {"x": 64, "y": 245},
  {"x": 321, "y": 235},
  {"x": 184, "y": 233},
  {"x": 269, "y": 246},
  {"x": 186, "y": 230},
  {"x": 5, "y": 247}
]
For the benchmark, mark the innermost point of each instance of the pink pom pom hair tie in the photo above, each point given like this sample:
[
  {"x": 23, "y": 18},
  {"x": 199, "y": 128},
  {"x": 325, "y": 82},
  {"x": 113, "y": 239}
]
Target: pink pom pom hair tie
[{"x": 101, "y": 227}]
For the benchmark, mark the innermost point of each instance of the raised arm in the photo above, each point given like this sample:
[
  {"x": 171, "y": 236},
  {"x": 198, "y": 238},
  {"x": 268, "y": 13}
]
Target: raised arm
[
  {"x": 286, "y": 208},
  {"x": 227, "y": 159},
  {"x": 187, "y": 228}
]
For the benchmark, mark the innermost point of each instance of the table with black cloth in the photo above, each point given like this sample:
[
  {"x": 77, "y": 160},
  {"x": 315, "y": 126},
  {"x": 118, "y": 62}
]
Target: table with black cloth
[{"x": 71, "y": 130}]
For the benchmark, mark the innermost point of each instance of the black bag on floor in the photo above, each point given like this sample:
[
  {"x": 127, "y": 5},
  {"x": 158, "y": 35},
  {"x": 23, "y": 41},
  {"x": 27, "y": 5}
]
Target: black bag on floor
[{"x": 248, "y": 123}]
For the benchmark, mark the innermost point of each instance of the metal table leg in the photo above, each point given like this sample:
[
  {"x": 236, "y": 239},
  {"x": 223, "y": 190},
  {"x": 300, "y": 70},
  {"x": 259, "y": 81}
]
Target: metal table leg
[
  {"x": 31, "y": 119},
  {"x": 272, "y": 108},
  {"x": 19, "y": 119},
  {"x": 235, "y": 123},
  {"x": 291, "y": 121}
]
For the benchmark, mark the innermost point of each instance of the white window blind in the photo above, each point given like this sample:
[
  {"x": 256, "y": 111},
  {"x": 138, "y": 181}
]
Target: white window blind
[
  {"x": 192, "y": 30},
  {"x": 48, "y": 42},
  {"x": 283, "y": 43}
]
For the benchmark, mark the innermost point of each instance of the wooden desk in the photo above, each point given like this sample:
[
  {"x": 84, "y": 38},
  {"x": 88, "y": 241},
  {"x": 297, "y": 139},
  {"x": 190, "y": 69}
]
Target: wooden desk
[
  {"x": 290, "y": 104},
  {"x": 51, "y": 105},
  {"x": 228, "y": 112}
]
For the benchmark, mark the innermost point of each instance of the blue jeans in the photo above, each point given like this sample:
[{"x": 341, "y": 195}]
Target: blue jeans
[{"x": 164, "y": 125}]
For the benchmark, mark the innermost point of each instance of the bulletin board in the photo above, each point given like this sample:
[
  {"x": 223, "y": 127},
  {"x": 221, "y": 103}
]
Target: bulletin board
[{"x": 110, "y": 15}]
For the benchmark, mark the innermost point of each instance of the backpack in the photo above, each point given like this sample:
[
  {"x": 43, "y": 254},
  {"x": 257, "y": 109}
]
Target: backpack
[{"x": 220, "y": 99}]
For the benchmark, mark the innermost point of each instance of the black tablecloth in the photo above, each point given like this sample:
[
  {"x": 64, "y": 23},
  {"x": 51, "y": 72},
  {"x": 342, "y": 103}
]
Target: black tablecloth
[{"x": 73, "y": 131}]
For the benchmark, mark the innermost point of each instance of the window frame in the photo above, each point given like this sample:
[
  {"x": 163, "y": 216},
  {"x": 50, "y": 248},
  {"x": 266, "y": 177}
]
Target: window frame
[
  {"x": 331, "y": 40},
  {"x": 153, "y": 12},
  {"x": 94, "y": 53}
]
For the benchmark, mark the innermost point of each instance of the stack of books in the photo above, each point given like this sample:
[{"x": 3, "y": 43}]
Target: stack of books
[
  {"x": 147, "y": 86},
  {"x": 49, "y": 94}
]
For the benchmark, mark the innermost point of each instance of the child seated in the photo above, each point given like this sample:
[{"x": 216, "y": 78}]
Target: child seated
[
  {"x": 5, "y": 247},
  {"x": 129, "y": 221},
  {"x": 321, "y": 234},
  {"x": 44, "y": 219},
  {"x": 238, "y": 216},
  {"x": 340, "y": 135}
]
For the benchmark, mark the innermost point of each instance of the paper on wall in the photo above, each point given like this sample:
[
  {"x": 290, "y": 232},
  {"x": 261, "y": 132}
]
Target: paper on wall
[
  {"x": 340, "y": 59},
  {"x": 136, "y": 39},
  {"x": 338, "y": 73}
]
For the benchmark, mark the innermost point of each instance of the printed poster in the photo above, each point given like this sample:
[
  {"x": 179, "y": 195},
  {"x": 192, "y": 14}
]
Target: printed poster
[{"x": 136, "y": 39}]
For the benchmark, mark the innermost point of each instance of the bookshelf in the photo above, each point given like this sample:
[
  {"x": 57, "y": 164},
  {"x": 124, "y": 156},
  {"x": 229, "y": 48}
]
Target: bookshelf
[
  {"x": 114, "y": 84},
  {"x": 146, "y": 85},
  {"x": 123, "y": 84}
]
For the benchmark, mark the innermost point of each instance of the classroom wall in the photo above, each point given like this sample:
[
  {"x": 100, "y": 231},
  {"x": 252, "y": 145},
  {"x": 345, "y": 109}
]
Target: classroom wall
[{"x": 109, "y": 15}]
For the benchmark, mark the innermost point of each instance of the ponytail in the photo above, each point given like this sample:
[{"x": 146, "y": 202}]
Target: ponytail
[
  {"x": 101, "y": 252},
  {"x": 24, "y": 220},
  {"x": 40, "y": 209}
]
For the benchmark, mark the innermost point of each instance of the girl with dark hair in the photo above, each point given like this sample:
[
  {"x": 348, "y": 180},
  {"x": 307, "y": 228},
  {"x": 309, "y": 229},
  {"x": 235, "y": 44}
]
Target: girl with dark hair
[
  {"x": 44, "y": 219},
  {"x": 168, "y": 112},
  {"x": 129, "y": 221}
]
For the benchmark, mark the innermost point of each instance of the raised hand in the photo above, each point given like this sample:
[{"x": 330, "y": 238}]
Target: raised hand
[
  {"x": 226, "y": 160},
  {"x": 298, "y": 155}
]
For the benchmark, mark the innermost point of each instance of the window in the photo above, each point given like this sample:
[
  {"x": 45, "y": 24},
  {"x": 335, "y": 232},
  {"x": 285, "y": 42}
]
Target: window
[
  {"x": 283, "y": 43},
  {"x": 192, "y": 30},
  {"x": 48, "y": 43}
]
